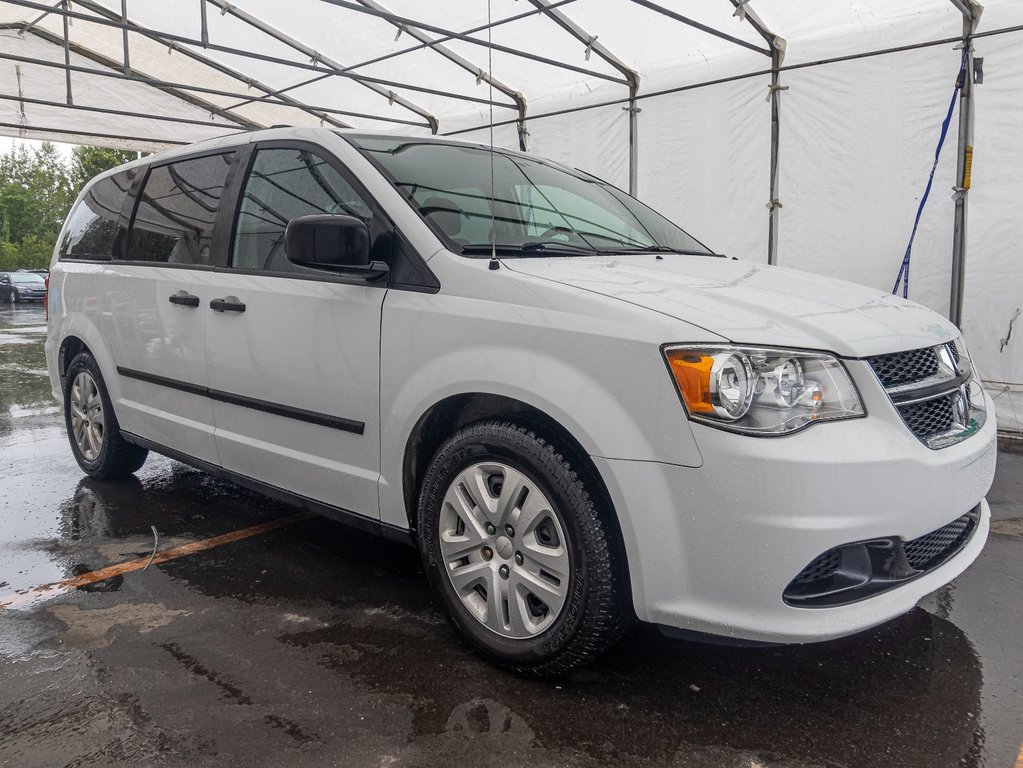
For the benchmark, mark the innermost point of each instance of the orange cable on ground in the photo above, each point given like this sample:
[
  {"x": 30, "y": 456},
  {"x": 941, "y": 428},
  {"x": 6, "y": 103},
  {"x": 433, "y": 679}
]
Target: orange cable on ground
[{"x": 191, "y": 548}]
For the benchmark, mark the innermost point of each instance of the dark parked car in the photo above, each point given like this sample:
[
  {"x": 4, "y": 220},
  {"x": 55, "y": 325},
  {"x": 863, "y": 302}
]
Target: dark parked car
[{"x": 22, "y": 286}]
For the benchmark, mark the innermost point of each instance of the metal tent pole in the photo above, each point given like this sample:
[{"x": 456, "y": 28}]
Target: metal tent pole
[
  {"x": 971, "y": 11},
  {"x": 777, "y": 52},
  {"x": 773, "y": 204},
  {"x": 631, "y": 77},
  {"x": 476, "y": 70},
  {"x": 633, "y": 111},
  {"x": 67, "y": 56}
]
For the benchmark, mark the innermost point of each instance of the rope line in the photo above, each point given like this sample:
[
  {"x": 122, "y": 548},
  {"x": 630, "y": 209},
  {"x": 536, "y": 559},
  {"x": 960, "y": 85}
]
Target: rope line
[{"x": 903, "y": 277}]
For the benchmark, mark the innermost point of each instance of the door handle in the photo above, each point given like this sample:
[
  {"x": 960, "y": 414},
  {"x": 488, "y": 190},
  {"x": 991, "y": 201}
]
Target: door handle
[
  {"x": 227, "y": 304},
  {"x": 184, "y": 298}
]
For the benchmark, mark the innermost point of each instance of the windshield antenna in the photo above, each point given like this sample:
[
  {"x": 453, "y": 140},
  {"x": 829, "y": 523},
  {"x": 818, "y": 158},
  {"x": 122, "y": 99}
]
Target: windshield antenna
[{"x": 494, "y": 263}]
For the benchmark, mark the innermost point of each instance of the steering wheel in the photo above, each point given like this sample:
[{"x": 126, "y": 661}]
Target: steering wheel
[{"x": 573, "y": 236}]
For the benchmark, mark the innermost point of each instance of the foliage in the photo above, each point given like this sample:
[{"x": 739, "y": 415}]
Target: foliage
[
  {"x": 87, "y": 162},
  {"x": 32, "y": 253},
  {"x": 37, "y": 189}
]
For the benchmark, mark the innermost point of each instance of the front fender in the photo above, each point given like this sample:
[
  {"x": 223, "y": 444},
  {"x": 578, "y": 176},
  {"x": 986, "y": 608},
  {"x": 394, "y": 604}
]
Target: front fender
[{"x": 627, "y": 411}]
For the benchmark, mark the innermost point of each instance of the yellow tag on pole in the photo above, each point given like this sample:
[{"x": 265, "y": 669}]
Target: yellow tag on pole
[{"x": 967, "y": 166}]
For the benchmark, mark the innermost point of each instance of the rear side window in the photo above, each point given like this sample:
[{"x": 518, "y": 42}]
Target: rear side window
[
  {"x": 93, "y": 226},
  {"x": 282, "y": 185},
  {"x": 177, "y": 206}
]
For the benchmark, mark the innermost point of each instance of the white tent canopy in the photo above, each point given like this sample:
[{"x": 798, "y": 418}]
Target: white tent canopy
[{"x": 680, "y": 102}]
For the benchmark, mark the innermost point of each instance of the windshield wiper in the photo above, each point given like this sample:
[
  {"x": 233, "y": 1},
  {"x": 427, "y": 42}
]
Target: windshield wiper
[
  {"x": 531, "y": 249},
  {"x": 665, "y": 249}
]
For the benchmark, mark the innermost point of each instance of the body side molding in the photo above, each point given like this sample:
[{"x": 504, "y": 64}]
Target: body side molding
[{"x": 300, "y": 414}]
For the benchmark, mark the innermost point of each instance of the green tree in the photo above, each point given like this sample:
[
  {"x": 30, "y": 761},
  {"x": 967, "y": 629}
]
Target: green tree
[
  {"x": 37, "y": 189},
  {"x": 87, "y": 162},
  {"x": 36, "y": 192}
]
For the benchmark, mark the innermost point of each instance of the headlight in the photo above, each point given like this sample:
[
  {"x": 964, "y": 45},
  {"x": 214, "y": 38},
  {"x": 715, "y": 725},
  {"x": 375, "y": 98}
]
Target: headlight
[{"x": 761, "y": 391}]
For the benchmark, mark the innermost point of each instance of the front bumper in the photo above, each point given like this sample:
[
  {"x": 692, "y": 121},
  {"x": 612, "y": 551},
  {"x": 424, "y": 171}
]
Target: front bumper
[{"x": 712, "y": 549}]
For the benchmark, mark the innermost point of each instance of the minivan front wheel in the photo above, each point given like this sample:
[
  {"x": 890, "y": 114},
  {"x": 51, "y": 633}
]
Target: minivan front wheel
[
  {"x": 522, "y": 557},
  {"x": 92, "y": 427}
]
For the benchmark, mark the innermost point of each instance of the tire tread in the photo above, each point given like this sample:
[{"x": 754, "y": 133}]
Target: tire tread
[
  {"x": 118, "y": 458},
  {"x": 607, "y": 612}
]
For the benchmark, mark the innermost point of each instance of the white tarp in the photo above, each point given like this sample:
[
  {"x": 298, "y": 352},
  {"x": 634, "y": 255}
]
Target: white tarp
[{"x": 857, "y": 136}]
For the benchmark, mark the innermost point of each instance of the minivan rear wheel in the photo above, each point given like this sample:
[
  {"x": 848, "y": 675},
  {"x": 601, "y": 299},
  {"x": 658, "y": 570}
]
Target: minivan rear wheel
[
  {"x": 519, "y": 552},
  {"x": 92, "y": 427}
]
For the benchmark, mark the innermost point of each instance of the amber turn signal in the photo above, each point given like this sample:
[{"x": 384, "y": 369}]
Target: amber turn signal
[{"x": 692, "y": 374}]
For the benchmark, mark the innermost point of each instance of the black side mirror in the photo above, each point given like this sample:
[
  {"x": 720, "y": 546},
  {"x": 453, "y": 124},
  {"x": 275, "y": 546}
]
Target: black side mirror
[{"x": 330, "y": 242}]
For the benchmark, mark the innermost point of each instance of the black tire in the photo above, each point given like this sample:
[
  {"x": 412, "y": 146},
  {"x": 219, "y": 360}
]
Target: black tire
[
  {"x": 597, "y": 609},
  {"x": 116, "y": 457},
  {"x": 12, "y": 296}
]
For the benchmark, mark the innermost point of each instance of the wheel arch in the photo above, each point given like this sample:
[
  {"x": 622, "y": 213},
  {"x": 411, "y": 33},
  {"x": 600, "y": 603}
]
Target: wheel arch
[
  {"x": 447, "y": 416},
  {"x": 70, "y": 347}
]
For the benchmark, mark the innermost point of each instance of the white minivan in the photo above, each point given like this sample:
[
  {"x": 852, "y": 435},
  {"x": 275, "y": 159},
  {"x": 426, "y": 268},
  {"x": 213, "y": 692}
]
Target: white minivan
[{"x": 579, "y": 413}]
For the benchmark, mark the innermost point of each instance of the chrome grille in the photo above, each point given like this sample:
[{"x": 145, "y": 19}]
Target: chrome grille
[
  {"x": 905, "y": 367},
  {"x": 930, "y": 392}
]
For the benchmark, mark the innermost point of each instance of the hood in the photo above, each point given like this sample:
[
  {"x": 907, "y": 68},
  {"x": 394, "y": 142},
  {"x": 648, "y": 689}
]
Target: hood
[{"x": 751, "y": 303}]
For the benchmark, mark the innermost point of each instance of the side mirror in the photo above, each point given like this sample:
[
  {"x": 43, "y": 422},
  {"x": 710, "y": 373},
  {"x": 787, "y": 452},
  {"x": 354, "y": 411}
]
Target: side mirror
[{"x": 330, "y": 242}]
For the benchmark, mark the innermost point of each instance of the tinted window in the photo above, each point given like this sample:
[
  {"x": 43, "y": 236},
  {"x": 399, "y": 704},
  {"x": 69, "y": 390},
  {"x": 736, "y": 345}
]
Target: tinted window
[
  {"x": 282, "y": 185},
  {"x": 177, "y": 206},
  {"x": 93, "y": 225},
  {"x": 470, "y": 195}
]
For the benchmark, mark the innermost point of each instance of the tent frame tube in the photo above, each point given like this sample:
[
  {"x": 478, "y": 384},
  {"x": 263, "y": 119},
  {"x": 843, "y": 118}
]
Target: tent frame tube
[
  {"x": 121, "y": 112},
  {"x": 702, "y": 27},
  {"x": 410, "y": 23},
  {"x": 743, "y": 76},
  {"x": 446, "y": 38},
  {"x": 777, "y": 52},
  {"x": 774, "y": 203},
  {"x": 135, "y": 77},
  {"x": 67, "y": 56},
  {"x": 94, "y": 134},
  {"x": 965, "y": 148},
  {"x": 468, "y": 66},
  {"x": 315, "y": 58},
  {"x": 113, "y": 71},
  {"x": 631, "y": 77},
  {"x": 105, "y": 17},
  {"x": 124, "y": 36},
  {"x": 285, "y": 89},
  {"x": 204, "y": 24},
  {"x": 172, "y": 40}
]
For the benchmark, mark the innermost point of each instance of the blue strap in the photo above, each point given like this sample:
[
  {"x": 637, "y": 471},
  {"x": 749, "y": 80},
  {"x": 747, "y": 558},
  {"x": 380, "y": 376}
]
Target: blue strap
[{"x": 904, "y": 269}]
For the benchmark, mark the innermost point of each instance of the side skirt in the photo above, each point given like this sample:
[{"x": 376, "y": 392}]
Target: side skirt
[{"x": 347, "y": 517}]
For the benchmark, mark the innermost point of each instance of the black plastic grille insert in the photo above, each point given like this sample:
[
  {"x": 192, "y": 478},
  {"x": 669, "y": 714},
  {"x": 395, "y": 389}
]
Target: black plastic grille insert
[
  {"x": 905, "y": 367},
  {"x": 847, "y": 573},
  {"x": 930, "y": 417},
  {"x": 936, "y": 547}
]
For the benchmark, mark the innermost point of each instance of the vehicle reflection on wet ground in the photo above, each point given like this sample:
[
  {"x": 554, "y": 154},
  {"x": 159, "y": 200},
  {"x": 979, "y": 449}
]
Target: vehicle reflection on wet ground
[{"x": 313, "y": 644}]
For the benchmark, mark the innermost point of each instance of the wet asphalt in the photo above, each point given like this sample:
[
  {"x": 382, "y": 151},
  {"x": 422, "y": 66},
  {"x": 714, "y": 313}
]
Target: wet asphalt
[{"x": 314, "y": 645}]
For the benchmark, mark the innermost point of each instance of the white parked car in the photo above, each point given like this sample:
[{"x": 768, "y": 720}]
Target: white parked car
[{"x": 607, "y": 421}]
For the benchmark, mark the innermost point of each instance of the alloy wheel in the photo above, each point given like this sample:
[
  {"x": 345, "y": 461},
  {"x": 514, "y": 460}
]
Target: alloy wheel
[{"x": 87, "y": 421}]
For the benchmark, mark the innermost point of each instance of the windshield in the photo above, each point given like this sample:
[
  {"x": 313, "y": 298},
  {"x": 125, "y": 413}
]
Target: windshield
[
  {"x": 26, "y": 278},
  {"x": 536, "y": 206}
]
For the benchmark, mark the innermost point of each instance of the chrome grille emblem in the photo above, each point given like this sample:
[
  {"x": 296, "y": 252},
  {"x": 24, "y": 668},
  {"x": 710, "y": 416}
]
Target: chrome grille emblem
[{"x": 961, "y": 409}]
